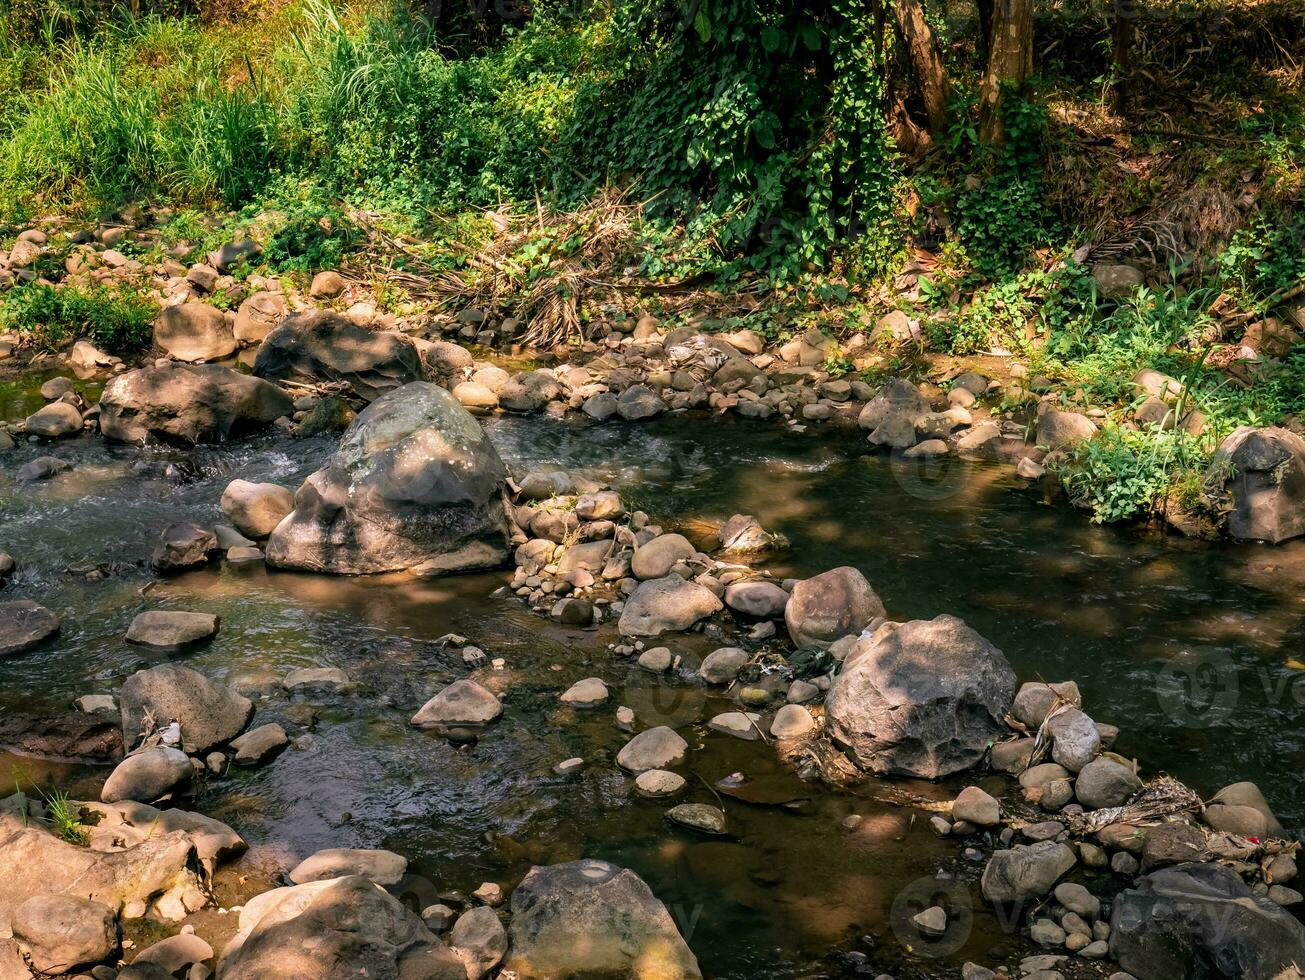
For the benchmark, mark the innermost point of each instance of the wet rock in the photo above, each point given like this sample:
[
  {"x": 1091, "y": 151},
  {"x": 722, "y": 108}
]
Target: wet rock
[
  {"x": 1026, "y": 871},
  {"x": 416, "y": 484},
  {"x": 588, "y": 693},
  {"x": 761, "y": 600},
  {"x": 315, "y": 678},
  {"x": 1264, "y": 469},
  {"x": 260, "y": 745},
  {"x": 183, "y": 546},
  {"x": 1034, "y": 700},
  {"x": 529, "y": 391},
  {"x": 665, "y": 605},
  {"x": 334, "y": 930},
  {"x": 591, "y": 918},
  {"x": 829, "y": 606},
  {"x": 657, "y": 748},
  {"x": 256, "y": 508},
  {"x": 658, "y": 783},
  {"x": 40, "y": 469},
  {"x": 194, "y": 332},
  {"x": 740, "y": 724},
  {"x": 698, "y": 816},
  {"x": 54, "y": 421},
  {"x": 639, "y": 402},
  {"x": 24, "y": 624},
  {"x": 258, "y": 316},
  {"x": 382, "y": 867},
  {"x": 319, "y": 345},
  {"x": 924, "y": 699},
  {"x": 792, "y": 721},
  {"x": 464, "y": 704},
  {"x": 1104, "y": 782},
  {"x": 148, "y": 775},
  {"x": 1201, "y": 918},
  {"x": 975, "y": 806},
  {"x": 479, "y": 939},
  {"x": 722, "y": 666},
  {"x": 1059, "y": 430},
  {"x": 1242, "y": 809},
  {"x": 75, "y": 736},
  {"x": 600, "y": 407},
  {"x": 188, "y": 404},
  {"x": 61, "y": 932},
  {"x": 1075, "y": 739},
  {"x": 896, "y": 400},
  {"x": 656, "y": 558},
  {"x": 210, "y": 714},
  {"x": 167, "y": 629},
  {"x": 658, "y": 660}
]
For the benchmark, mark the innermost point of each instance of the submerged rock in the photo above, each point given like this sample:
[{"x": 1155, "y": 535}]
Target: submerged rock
[
  {"x": 591, "y": 918},
  {"x": 24, "y": 624},
  {"x": 338, "y": 929},
  {"x": 1198, "y": 920},
  {"x": 320, "y": 345},
  {"x": 924, "y": 699},
  {"x": 188, "y": 404},
  {"x": 698, "y": 816},
  {"x": 416, "y": 484}
]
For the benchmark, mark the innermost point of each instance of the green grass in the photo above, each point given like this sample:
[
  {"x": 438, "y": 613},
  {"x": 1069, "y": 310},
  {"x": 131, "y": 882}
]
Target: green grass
[{"x": 119, "y": 320}]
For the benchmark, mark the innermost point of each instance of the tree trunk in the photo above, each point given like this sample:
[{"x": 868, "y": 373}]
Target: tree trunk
[
  {"x": 1121, "y": 55},
  {"x": 985, "y": 28},
  {"x": 926, "y": 59},
  {"x": 1010, "y": 62}
]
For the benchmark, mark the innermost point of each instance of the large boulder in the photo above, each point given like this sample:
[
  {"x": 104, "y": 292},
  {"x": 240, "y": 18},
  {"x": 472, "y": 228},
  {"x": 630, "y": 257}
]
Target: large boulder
[
  {"x": 60, "y": 932},
  {"x": 665, "y": 605},
  {"x": 188, "y": 404},
  {"x": 830, "y": 606},
  {"x": 53, "y": 421},
  {"x": 1264, "y": 470},
  {"x": 256, "y": 508},
  {"x": 194, "y": 332},
  {"x": 1061, "y": 430},
  {"x": 258, "y": 315},
  {"x": 656, "y": 558},
  {"x": 24, "y": 624},
  {"x": 209, "y": 713},
  {"x": 319, "y": 345},
  {"x": 153, "y": 874},
  {"x": 897, "y": 399},
  {"x": 462, "y": 706},
  {"x": 591, "y": 918},
  {"x": 382, "y": 867},
  {"x": 923, "y": 699},
  {"x": 1201, "y": 920},
  {"x": 337, "y": 929},
  {"x": 416, "y": 484}
]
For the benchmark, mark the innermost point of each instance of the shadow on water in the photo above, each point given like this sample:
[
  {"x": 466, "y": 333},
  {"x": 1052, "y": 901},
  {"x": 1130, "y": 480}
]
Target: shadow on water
[{"x": 1189, "y": 648}]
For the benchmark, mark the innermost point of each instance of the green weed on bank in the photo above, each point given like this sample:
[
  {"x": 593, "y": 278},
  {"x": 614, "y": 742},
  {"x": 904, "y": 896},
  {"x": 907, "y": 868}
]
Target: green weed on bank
[{"x": 119, "y": 321}]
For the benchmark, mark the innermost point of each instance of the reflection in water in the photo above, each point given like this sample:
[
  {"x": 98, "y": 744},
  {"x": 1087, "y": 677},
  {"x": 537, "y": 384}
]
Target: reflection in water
[{"x": 1109, "y": 608}]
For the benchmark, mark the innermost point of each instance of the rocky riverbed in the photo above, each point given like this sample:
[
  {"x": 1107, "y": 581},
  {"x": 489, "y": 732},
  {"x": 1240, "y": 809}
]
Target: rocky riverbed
[{"x": 709, "y": 696}]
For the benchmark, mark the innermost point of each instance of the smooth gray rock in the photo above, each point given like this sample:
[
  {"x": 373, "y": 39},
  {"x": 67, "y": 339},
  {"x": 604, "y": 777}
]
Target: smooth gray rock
[
  {"x": 664, "y": 605},
  {"x": 382, "y": 867},
  {"x": 61, "y": 932},
  {"x": 829, "y": 606},
  {"x": 168, "y": 629},
  {"x": 1025, "y": 871},
  {"x": 210, "y": 714},
  {"x": 320, "y": 345},
  {"x": 148, "y": 775}
]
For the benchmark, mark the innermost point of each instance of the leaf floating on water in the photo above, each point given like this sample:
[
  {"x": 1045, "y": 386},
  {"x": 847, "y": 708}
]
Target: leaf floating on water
[{"x": 1294, "y": 664}]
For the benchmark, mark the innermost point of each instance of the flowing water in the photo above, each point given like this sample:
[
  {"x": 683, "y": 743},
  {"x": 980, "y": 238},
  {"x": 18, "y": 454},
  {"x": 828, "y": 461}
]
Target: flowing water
[{"x": 1195, "y": 651}]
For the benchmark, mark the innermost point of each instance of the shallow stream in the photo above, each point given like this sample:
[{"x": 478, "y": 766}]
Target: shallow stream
[{"x": 1136, "y": 618}]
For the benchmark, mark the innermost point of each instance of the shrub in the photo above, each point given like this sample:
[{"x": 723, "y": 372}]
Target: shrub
[{"x": 119, "y": 321}]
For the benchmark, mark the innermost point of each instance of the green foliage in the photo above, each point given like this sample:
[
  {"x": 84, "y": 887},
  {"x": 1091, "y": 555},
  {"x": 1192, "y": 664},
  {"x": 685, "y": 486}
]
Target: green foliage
[
  {"x": 65, "y": 822},
  {"x": 1123, "y": 473},
  {"x": 1267, "y": 255},
  {"x": 119, "y": 321}
]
